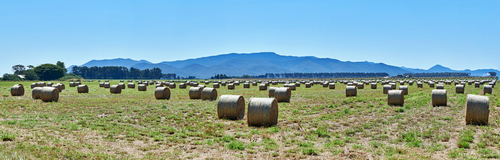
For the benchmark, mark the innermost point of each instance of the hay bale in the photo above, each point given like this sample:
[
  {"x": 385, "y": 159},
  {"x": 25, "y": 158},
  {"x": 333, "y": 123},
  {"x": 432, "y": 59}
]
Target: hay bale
[
  {"x": 209, "y": 94},
  {"x": 404, "y": 89},
  {"x": 231, "y": 107},
  {"x": 237, "y": 83},
  {"x": 122, "y": 85},
  {"x": 100, "y": 84},
  {"x": 182, "y": 86},
  {"x": 325, "y": 84},
  {"x": 393, "y": 86},
  {"x": 297, "y": 84},
  {"x": 262, "y": 112},
  {"x": 59, "y": 87},
  {"x": 476, "y": 84},
  {"x": 63, "y": 87},
  {"x": 172, "y": 85},
  {"x": 459, "y": 89},
  {"x": 439, "y": 97},
  {"x": 49, "y": 94},
  {"x": 386, "y": 89},
  {"x": 477, "y": 109},
  {"x": 360, "y": 86},
  {"x": 121, "y": 80},
  {"x": 17, "y": 90},
  {"x": 350, "y": 91},
  {"x": 308, "y": 85},
  {"x": 41, "y": 84},
  {"x": 396, "y": 97},
  {"x": 440, "y": 86},
  {"x": 72, "y": 84},
  {"x": 49, "y": 84},
  {"x": 83, "y": 89},
  {"x": 106, "y": 80},
  {"x": 142, "y": 87},
  {"x": 271, "y": 91},
  {"x": 230, "y": 86},
  {"x": 350, "y": 84},
  {"x": 78, "y": 83},
  {"x": 254, "y": 83},
  {"x": 195, "y": 92},
  {"x": 246, "y": 85},
  {"x": 33, "y": 85},
  {"x": 431, "y": 84},
  {"x": 290, "y": 86},
  {"x": 262, "y": 87},
  {"x": 331, "y": 85},
  {"x": 373, "y": 85},
  {"x": 216, "y": 85},
  {"x": 131, "y": 85},
  {"x": 107, "y": 85},
  {"x": 115, "y": 89},
  {"x": 36, "y": 93},
  {"x": 419, "y": 85},
  {"x": 487, "y": 89},
  {"x": 162, "y": 93},
  {"x": 159, "y": 85},
  {"x": 282, "y": 94}
]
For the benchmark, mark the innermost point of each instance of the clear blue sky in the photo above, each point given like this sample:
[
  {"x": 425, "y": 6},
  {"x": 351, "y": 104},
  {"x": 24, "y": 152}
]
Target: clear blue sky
[{"x": 416, "y": 34}]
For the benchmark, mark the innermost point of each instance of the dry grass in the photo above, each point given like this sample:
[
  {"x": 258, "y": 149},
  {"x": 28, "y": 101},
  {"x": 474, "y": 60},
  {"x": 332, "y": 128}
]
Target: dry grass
[{"x": 318, "y": 123}]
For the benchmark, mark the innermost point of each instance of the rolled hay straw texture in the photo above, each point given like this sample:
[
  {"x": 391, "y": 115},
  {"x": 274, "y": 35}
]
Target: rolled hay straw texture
[
  {"x": 142, "y": 87},
  {"x": 17, "y": 90},
  {"x": 122, "y": 85},
  {"x": 182, "y": 86},
  {"x": 172, "y": 85},
  {"x": 36, "y": 93},
  {"x": 115, "y": 89},
  {"x": 282, "y": 94},
  {"x": 201, "y": 86},
  {"x": 131, "y": 85},
  {"x": 262, "y": 87},
  {"x": 209, "y": 94},
  {"x": 431, "y": 84},
  {"x": 401, "y": 82},
  {"x": 396, "y": 97},
  {"x": 386, "y": 89},
  {"x": 194, "y": 84},
  {"x": 49, "y": 84},
  {"x": 439, "y": 97},
  {"x": 476, "y": 84},
  {"x": 78, "y": 83},
  {"x": 41, "y": 84},
  {"x": 162, "y": 93},
  {"x": 107, "y": 85},
  {"x": 350, "y": 84},
  {"x": 49, "y": 94},
  {"x": 331, "y": 85},
  {"x": 404, "y": 89},
  {"x": 230, "y": 86},
  {"x": 308, "y": 85},
  {"x": 59, "y": 87},
  {"x": 290, "y": 86},
  {"x": 216, "y": 85},
  {"x": 254, "y": 83},
  {"x": 373, "y": 85},
  {"x": 72, "y": 84},
  {"x": 195, "y": 92},
  {"x": 419, "y": 85},
  {"x": 236, "y": 83},
  {"x": 325, "y": 84},
  {"x": 246, "y": 85},
  {"x": 487, "y": 89},
  {"x": 100, "y": 84},
  {"x": 492, "y": 84},
  {"x": 33, "y": 85},
  {"x": 158, "y": 85},
  {"x": 459, "y": 89},
  {"x": 62, "y": 86},
  {"x": 440, "y": 86},
  {"x": 393, "y": 86},
  {"x": 297, "y": 84},
  {"x": 477, "y": 109},
  {"x": 360, "y": 86},
  {"x": 274, "y": 82},
  {"x": 231, "y": 107},
  {"x": 271, "y": 91},
  {"x": 410, "y": 83},
  {"x": 83, "y": 89},
  {"x": 350, "y": 91},
  {"x": 262, "y": 112},
  {"x": 223, "y": 83}
]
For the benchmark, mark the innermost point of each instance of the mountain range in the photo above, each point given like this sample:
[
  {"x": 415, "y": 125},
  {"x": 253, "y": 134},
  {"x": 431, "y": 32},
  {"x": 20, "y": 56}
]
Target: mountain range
[{"x": 237, "y": 64}]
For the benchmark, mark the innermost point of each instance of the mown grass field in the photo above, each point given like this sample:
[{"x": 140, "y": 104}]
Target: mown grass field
[{"x": 318, "y": 123}]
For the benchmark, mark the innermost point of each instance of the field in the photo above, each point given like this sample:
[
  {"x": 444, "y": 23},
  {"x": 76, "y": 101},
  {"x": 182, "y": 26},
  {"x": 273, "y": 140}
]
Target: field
[{"x": 318, "y": 123}]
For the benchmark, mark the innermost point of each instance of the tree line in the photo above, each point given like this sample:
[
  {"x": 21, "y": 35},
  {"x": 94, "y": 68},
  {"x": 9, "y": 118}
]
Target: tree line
[
  {"x": 118, "y": 72},
  {"x": 42, "y": 72},
  {"x": 307, "y": 75}
]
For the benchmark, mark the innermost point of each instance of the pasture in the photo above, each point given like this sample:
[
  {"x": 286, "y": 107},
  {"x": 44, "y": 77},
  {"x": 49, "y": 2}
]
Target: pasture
[{"x": 317, "y": 123}]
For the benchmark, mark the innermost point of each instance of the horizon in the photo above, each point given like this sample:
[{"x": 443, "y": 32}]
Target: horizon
[{"x": 455, "y": 34}]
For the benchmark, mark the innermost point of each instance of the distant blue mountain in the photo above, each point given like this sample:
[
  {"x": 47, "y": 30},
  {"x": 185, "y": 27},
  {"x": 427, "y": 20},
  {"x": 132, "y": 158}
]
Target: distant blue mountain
[{"x": 237, "y": 64}]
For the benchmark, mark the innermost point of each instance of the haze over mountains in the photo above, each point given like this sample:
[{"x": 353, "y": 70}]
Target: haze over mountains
[{"x": 237, "y": 64}]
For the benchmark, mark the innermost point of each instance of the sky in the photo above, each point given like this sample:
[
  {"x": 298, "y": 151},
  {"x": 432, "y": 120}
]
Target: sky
[{"x": 416, "y": 34}]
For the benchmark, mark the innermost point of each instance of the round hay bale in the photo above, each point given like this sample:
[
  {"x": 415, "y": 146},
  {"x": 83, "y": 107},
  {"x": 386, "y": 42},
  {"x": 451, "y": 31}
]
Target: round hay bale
[
  {"x": 33, "y": 85},
  {"x": 290, "y": 86},
  {"x": 230, "y": 86},
  {"x": 459, "y": 89},
  {"x": 49, "y": 84},
  {"x": 209, "y": 94},
  {"x": 78, "y": 83},
  {"x": 360, "y": 86},
  {"x": 439, "y": 97},
  {"x": 216, "y": 85},
  {"x": 325, "y": 84},
  {"x": 431, "y": 84},
  {"x": 308, "y": 85},
  {"x": 396, "y": 97},
  {"x": 195, "y": 92},
  {"x": 201, "y": 86},
  {"x": 419, "y": 85},
  {"x": 72, "y": 84},
  {"x": 476, "y": 84},
  {"x": 162, "y": 93},
  {"x": 36, "y": 93},
  {"x": 350, "y": 84},
  {"x": 254, "y": 83},
  {"x": 487, "y": 89},
  {"x": 404, "y": 89},
  {"x": 236, "y": 83},
  {"x": 63, "y": 87},
  {"x": 350, "y": 91},
  {"x": 282, "y": 94},
  {"x": 440, "y": 86},
  {"x": 246, "y": 85},
  {"x": 107, "y": 85},
  {"x": 182, "y": 86},
  {"x": 410, "y": 83},
  {"x": 142, "y": 87},
  {"x": 115, "y": 89},
  {"x": 331, "y": 85},
  {"x": 17, "y": 90},
  {"x": 41, "y": 84},
  {"x": 271, "y": 91},
  {"x": 106, "y": 80},
  {"x": 297, "y": 84},
  {"x": 83, "y": 89},
  {"x": 373, "y": 85},
  {"x": 262, "y": 87},
  {"x": 477, "y": 110},
  {"x": 121, "y": 80},
  {"x": 49, "y": 94},
  {"x": 262, "y": 112},
  {"x": 59, "y": 87},
  {"x": 100, "y": 84},
  {"x": 194, "y": 84},
  {"x": 386, "y": 89},
  {"x": 131, "y": 85},
  {"x": 393, "y": 86},
  {"x": 122, "y": 85},
  {"x": 231, "y": 107},
  {"x": 159, "y": 85},
  {"x": 172, "y": 85}
]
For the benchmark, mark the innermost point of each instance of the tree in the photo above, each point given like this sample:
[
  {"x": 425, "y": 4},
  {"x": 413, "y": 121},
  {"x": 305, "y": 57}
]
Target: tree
[
  {"x": 18, "y": 69},
  {"x": 61, "y": 64},
  {"x": 49, "y": 72},
  {"x": 31, "y": 67},
  {"x": 30, "y": 75}
]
